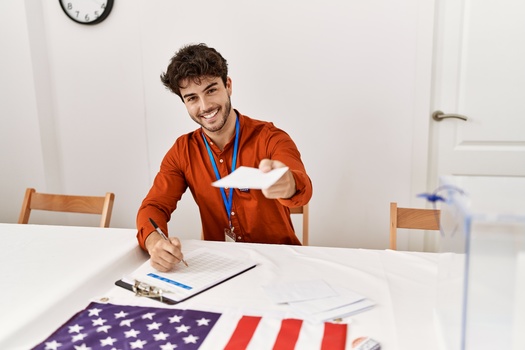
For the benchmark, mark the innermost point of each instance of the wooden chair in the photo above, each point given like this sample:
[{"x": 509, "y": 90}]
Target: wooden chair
[
  {"x": 306, "y": 218},
  {"x": 411, "y": 218},
  {"x": 66, "y": 203}
]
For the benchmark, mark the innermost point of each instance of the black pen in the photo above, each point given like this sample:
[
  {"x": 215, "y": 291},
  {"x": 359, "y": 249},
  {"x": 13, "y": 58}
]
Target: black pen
[{"x": 163, "y": 235}]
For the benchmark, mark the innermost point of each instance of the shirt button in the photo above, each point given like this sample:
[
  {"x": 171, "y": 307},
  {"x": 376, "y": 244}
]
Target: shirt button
[
  {"x": 221, "y": 160},
  {"x": 233, "y": 213},
  {"x": 239, "y": 238}
]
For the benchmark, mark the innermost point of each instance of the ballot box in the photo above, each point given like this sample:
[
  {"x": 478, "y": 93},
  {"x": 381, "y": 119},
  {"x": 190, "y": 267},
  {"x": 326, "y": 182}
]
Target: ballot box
[{"x": 481, "y": 273}]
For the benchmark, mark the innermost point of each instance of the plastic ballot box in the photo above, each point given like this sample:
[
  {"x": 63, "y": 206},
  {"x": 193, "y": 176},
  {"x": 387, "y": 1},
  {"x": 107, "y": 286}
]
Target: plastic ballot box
[{"x": 481, "y": 275}]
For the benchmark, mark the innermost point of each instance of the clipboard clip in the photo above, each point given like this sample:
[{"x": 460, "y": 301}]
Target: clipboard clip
[{"x": 142, "y": 289}]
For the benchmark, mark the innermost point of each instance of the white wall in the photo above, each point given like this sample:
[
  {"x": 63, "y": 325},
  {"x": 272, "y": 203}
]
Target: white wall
[{"x": 348, "y": 80}]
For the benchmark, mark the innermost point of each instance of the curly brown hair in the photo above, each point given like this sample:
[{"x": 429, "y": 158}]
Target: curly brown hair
[{"x": 194, "y": 62}]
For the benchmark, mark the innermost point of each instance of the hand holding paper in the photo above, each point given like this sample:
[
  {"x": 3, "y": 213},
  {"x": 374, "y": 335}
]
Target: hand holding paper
[{"x": 252, "y": 178}]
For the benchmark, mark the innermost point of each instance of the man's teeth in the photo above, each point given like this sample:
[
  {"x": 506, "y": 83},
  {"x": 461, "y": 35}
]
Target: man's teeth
[{"x": 211, "y": 115}]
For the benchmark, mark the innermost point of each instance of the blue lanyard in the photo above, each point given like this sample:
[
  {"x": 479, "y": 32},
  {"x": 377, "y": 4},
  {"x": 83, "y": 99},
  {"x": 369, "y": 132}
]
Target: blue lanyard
[{"x": 227, "y": 201}]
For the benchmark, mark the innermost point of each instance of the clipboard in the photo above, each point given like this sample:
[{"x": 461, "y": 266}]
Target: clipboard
[{"x": 207, "y": 269}]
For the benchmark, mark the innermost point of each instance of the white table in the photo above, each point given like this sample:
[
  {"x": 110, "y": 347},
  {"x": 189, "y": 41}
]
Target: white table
[
  {"x": 402, "y": 284},
  {"x": 48, "y": 273}
]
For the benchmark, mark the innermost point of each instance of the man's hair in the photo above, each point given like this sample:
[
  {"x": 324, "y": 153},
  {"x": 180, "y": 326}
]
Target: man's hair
[{"x": 194, "y": 62}]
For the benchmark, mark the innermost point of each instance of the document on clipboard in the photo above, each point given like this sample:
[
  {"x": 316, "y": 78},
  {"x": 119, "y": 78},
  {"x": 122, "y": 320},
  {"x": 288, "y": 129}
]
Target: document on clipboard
[{"x": 206, "y": 269}]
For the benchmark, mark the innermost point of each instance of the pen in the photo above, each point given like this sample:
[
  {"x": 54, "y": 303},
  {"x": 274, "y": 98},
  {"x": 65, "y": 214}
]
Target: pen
[{"x": 163, "y": 235}]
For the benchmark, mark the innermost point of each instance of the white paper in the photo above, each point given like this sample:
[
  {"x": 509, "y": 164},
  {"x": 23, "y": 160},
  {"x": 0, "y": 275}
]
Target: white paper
[
  {"x": 206, "y": 268},
  {"x": 316, "y": 301},
  {"x": 341, "y": 312},
  {"x": 299, "y": 291},
  {"x": 344, "y": 297},
  {"x": 253, "y": 178}
]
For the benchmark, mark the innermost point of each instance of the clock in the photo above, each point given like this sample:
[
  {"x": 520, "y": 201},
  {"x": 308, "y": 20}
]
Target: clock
[{"x": 87, "y": 11}]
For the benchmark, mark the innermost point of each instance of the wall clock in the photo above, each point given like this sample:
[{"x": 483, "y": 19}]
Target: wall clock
[{"x": 87, "y": 11}]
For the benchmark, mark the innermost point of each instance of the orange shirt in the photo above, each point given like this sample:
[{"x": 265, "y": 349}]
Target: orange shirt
[{"x": 254, "y": 217}]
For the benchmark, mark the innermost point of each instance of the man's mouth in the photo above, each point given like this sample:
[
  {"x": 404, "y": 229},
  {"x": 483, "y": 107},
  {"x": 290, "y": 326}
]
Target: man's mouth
[{"x": 210, "y": 114}]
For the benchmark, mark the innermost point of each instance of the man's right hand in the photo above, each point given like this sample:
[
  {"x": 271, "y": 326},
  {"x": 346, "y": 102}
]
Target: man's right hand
[{"x": 164, "y": 254}]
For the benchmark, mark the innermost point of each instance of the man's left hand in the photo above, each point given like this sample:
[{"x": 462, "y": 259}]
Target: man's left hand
[{"x": 284, "y": 187}]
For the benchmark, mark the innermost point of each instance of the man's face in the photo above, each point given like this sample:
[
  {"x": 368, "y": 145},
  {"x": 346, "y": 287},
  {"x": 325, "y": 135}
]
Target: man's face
[{"x": 208, "y": 103}]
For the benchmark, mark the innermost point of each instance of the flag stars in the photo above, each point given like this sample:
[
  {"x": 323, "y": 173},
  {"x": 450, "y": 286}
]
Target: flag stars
[
  {"x": 175, "y": 319},
  {"x": 160, "y": 336},
  {"x": 132, "y": 333},
  {"x": 149, "y": 316},
  {"x": 190, "y": 339},
  {"x": 98, "y": 322},
  {"x": 154, "y": 325},
  {"x": 94, "y": 312},
  {"x": 75, "y": 329},
  {"x": 121, "y": 314},
  {"x": 168, "y": 346},
  {"x": 104, "y": 329},
  {"x": 54, "y": 345},
  {"x": 138, "y": 344},
  {"x": 203, "y": 322},
  {"x": 78, "y": 337},
  {"x": 107, "y": 341},
  {"x": 126, "y": 322},
  {"x": 113, "y": 327},
  {"x": 182, "y": 328}
]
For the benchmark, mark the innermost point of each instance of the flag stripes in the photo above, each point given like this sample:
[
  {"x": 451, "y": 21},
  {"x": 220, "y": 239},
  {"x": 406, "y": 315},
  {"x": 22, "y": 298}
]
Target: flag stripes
[
  {"x": 254, "y": 332},
  {"x": 243, "y": 333}
]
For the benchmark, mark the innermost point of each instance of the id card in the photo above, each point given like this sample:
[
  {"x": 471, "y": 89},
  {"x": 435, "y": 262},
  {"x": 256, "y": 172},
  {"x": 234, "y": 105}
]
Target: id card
[{"x": 229, "y": 235}]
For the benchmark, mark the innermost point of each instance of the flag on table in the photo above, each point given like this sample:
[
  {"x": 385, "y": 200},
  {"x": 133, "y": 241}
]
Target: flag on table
[
  {"x": 109, "y": 326},
  {"x": 254, "y": 332}
]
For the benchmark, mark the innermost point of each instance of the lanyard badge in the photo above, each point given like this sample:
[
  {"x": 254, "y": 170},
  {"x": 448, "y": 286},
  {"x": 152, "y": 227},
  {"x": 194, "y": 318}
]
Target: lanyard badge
[{"x": 229, "y": 235}]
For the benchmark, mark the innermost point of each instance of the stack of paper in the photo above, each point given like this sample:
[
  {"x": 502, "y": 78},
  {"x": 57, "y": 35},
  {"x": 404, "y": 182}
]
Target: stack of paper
[{"x": 317, "y": 301}]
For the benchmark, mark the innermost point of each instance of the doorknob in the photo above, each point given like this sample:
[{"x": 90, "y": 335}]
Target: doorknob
[{"x": 439, "y": 116}]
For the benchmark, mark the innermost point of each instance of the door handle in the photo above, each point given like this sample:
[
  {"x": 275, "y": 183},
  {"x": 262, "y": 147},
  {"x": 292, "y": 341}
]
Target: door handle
[{"x": 439, "y": 116}]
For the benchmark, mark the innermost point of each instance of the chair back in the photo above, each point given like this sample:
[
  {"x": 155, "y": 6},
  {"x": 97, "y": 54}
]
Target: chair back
[
  {"x": 102, "y": 205},
  {"x": 305, "y": 211},
  {"x": 411, "y": 218}
]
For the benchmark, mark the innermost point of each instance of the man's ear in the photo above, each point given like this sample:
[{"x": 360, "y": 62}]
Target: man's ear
[{"x": 229, "y": 86}]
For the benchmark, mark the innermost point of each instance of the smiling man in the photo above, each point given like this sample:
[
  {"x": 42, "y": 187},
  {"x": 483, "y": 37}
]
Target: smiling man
[{"x": 225, "y": 140}]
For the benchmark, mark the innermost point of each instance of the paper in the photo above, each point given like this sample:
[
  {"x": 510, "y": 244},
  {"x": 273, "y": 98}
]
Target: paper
[
  {"x": 341, "y": 312},
  {"x": 206, "y": 268},
  {"x": 317, "y": 301},
  {"x": 253, "y": 178},
  {"x": 298, "y": 291},
  {"x": 342, "y": 298}
]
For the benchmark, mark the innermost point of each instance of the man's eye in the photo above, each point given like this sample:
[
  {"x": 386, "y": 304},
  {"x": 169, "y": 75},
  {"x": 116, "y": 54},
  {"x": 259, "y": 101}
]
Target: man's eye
[{"x": 211, "y": 91}]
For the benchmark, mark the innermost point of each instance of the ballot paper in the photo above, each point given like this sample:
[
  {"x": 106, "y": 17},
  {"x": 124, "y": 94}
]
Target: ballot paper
[
  {"x": 206, "y": 268},
  {"x": 252, "y": 178},
  {"x": 285, "y": 292},
  {"x": 317, "y": 301}
]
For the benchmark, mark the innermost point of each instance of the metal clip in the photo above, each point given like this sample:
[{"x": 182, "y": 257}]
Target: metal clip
[{"x": 142, "y": 289}]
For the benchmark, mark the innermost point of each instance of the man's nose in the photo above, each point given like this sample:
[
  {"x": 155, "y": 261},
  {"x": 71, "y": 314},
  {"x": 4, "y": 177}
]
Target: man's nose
[{"x": 205, "y": 104}]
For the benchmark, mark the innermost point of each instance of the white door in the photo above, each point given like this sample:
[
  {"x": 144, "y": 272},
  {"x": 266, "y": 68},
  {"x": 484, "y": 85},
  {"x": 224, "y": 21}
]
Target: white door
[{"x": 479, "y": 72}]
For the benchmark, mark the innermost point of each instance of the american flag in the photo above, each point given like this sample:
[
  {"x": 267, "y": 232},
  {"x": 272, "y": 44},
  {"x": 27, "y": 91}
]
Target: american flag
[{"x": 108, "y": 326}]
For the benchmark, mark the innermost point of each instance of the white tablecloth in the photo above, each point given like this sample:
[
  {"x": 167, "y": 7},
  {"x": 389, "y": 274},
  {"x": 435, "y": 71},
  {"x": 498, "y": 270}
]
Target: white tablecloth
[
  {"x": 48, "y": 273},
  {"x": 77, "y": 265}
]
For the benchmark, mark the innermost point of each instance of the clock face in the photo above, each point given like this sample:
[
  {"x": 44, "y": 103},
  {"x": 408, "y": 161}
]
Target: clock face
[{"x": 87, "y": 11}]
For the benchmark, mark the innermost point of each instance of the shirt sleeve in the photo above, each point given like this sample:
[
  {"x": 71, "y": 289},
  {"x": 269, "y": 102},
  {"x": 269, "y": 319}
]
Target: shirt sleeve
[
  {"x": 167, "y": 189},
  {"x": 281, "y": 147}
]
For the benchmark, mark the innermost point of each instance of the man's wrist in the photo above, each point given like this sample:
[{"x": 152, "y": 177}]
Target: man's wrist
[{"x": 151, "y": 240}]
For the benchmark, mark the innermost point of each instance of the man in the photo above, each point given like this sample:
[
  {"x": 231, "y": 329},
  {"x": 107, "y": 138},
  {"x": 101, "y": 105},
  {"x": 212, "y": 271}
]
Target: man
[{"x": 226, "y": 140}]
